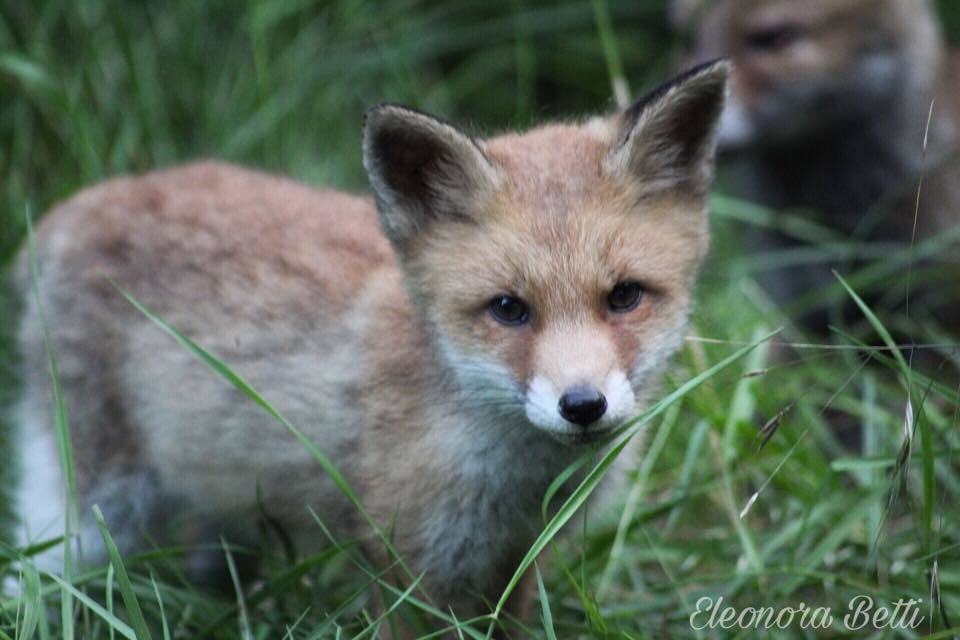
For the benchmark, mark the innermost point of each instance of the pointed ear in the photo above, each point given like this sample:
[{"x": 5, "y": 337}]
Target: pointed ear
[
  {"x": 421, "y": 170},
  {"x": 667, "y": 139}
]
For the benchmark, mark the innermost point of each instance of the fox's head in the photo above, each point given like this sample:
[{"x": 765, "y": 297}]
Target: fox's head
[
  {"x": 554, "y": 268},
  {"x": 803, "y": 67}
]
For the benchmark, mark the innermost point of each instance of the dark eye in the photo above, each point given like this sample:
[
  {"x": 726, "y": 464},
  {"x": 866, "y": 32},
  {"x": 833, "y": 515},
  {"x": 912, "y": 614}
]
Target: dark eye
[
  {"x": 772, "y": 38},
  {"x": 625, "y": 296},
  {"x": 509, "y": 310}
]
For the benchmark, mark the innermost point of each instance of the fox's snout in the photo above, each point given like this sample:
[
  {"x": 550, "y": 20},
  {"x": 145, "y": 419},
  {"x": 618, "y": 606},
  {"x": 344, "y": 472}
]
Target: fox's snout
[
  {"x": 578, "y": 387},
  {"x": 582, "y": 405},
  {"x": 582, "y": 410}
]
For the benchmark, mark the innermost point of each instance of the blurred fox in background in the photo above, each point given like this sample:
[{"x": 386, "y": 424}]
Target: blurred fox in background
[{"x": 828, "y": 114}]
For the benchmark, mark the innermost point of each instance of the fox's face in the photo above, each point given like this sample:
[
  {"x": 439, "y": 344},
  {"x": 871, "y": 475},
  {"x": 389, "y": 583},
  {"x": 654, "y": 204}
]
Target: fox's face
[
  {"x": 553, "y": 268},
  {"x": 805, "y": 66}
]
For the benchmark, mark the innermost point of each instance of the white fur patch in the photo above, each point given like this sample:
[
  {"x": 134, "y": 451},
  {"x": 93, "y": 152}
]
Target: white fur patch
[
  {"x": 40, "y": 496},
  {"x": 621, "y": 401},
  {"x": 598, "y": 129},
  {"x": 543, "y": 406}
]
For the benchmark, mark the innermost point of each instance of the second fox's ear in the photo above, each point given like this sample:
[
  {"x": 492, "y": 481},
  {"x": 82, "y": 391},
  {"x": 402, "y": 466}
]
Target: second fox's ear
[
  {"x": 667, "y": 139},
  {"x": 421, "y": 170}
]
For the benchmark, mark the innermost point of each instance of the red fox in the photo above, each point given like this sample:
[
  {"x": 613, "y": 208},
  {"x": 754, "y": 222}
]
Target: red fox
[
  {"x": 828, "y": 110},
  {"x": 452, "y": 344}
]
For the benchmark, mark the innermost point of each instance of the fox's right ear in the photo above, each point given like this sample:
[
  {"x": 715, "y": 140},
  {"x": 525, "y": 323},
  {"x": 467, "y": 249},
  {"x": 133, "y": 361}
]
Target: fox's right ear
[
  {"x": 421, "y": 170},
  {"x": 667, "y": 139}
]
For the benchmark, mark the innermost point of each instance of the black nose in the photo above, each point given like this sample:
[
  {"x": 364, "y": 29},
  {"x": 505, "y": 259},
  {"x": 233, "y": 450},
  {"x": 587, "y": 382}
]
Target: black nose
[{"x": 582, "y": 405}]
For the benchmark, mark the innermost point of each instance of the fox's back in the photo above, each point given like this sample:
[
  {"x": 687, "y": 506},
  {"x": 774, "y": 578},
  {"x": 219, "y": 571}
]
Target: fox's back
[
  {"x": 266, "y": 273},
  {"x": 212, "y": 228}
]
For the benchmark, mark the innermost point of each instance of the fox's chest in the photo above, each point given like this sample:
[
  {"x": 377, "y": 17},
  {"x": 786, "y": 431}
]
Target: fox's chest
[
  {"x": 490, "y": 514},
  {"x": 475, "y": 540}
]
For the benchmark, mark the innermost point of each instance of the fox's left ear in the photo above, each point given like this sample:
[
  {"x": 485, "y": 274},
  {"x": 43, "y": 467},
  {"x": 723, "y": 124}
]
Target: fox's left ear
[
  {"x": 422, "y": 170},
  {"x": 667, "y": 139}
]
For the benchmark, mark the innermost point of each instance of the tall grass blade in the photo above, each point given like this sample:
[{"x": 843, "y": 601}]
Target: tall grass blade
[
  {"x": 165, "y": 628},
  {"x": 547, "y": 615},
  {"x": 115, "y": 623},
  {"x": 243, "y": 618},
  {"x": 130, "y": 601},
  {"x": 926, "y": 438},
  {"x": 33, "y": 608}
]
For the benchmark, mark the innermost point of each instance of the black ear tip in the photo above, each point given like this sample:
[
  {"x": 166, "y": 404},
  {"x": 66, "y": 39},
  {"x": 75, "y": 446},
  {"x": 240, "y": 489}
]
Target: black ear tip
[
  {"x": 377, "y": 112},
  {"x": 720, "y": 64},
  {"x": 720, "y": 68},
  {"x": 709, "y": 77},
  {"x": 713, "y": 72}
]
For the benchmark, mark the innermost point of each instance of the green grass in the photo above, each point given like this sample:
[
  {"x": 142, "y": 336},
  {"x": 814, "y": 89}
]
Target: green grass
[{"x": 747, "y": 490}]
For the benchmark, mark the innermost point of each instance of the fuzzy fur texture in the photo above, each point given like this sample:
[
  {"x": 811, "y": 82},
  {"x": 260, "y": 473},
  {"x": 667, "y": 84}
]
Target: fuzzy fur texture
[
  {"x": 377, "y": 345},
  {"x": 40, "y": 496}
]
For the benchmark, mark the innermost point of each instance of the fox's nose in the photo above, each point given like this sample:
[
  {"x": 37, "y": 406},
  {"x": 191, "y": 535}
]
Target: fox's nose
[{"x": 582, "y": 405}]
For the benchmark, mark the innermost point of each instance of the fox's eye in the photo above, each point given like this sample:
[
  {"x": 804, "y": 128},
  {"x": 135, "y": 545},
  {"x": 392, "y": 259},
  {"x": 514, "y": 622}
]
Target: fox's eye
[
  {"x": 773, "y": 37},
  {"x": 509, "y": 310},
  {"x": 625, "y": 296}
]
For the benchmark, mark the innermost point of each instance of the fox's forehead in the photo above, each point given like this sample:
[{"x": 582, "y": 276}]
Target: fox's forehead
[
  {"x": 560, "y": 227},
  {"x": 555, "y": 167},
  {"x": 567, "y": 258}
]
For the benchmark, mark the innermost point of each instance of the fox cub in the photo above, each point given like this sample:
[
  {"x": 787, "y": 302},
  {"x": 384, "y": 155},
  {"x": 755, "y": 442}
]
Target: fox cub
[
  {"x": 452, "y": 344},
  {"x": 828, "y": 113}
]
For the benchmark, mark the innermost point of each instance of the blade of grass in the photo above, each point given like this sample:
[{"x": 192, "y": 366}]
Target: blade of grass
[
  {"x": 108, "y": 595},
  {"x": 274, "y": 587},
  {"x": 290, "y": 628},
  {"x": 637, "y": 491},
  {"x": 545, "y": 607},
  {"x": 163, "y": 616},
  {"x": 847, "y": 519},
  {"x": 32, "y": 603},
  {"x": 377, "y": 579},
  {"x": 243, "y": 618},
  {"x": 926, "y": 438},
  {"x": 691, "y": 462},
  {"x": 114, "y": 622},
  {"x": 138, "y": 623},
  {"x": 611, "y": 53},
  {"x": 561, "y": 480},
  {"x": 393, "y": 607}
]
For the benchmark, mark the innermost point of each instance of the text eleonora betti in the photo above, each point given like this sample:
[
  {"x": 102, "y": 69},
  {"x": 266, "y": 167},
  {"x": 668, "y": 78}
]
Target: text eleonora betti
[{"x": 862, "y": 613}]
